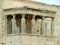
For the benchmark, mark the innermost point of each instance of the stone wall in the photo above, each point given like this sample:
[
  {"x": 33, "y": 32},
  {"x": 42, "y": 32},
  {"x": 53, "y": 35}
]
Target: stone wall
[{"x": 31, "y": 39}]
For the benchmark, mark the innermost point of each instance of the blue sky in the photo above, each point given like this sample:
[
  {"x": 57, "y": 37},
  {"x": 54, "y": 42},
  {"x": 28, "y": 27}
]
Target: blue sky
[{"x": 56, "y": 2}]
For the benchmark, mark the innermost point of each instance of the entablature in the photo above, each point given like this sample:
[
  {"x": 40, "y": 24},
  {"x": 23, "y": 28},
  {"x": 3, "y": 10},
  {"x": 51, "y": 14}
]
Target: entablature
[{"x": 27, "y": 10}]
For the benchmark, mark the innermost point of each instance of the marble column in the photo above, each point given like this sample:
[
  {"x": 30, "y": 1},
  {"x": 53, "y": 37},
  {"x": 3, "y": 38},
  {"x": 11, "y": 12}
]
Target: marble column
[
  {"x": 52, "y": 26},
  {"x": 23, "y": 24},
  {"x": 34, "y": 27},
  {"x": 13, "y": 24},
  {"x": 43, "y": 26}
]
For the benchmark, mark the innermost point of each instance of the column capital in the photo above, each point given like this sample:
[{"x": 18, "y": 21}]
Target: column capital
[
  {"x": 33, "y": 16},
  {"x": 43, "y": 17},
  {"x": 14, "y": 16},
  {"x": 23, "y": 15}
]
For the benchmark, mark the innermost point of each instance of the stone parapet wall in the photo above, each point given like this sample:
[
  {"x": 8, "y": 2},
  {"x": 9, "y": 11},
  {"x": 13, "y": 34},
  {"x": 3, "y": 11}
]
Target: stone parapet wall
[{"x": 29, "y": 40}]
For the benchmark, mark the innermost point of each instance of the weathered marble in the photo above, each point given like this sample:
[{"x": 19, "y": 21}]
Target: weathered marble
[{"x": 33, "y": 8}]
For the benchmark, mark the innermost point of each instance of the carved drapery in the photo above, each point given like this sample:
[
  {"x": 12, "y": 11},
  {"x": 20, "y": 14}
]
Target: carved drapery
[
  {"x": 23, "y": 24},
  {"x": 43, "y": 26}
]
